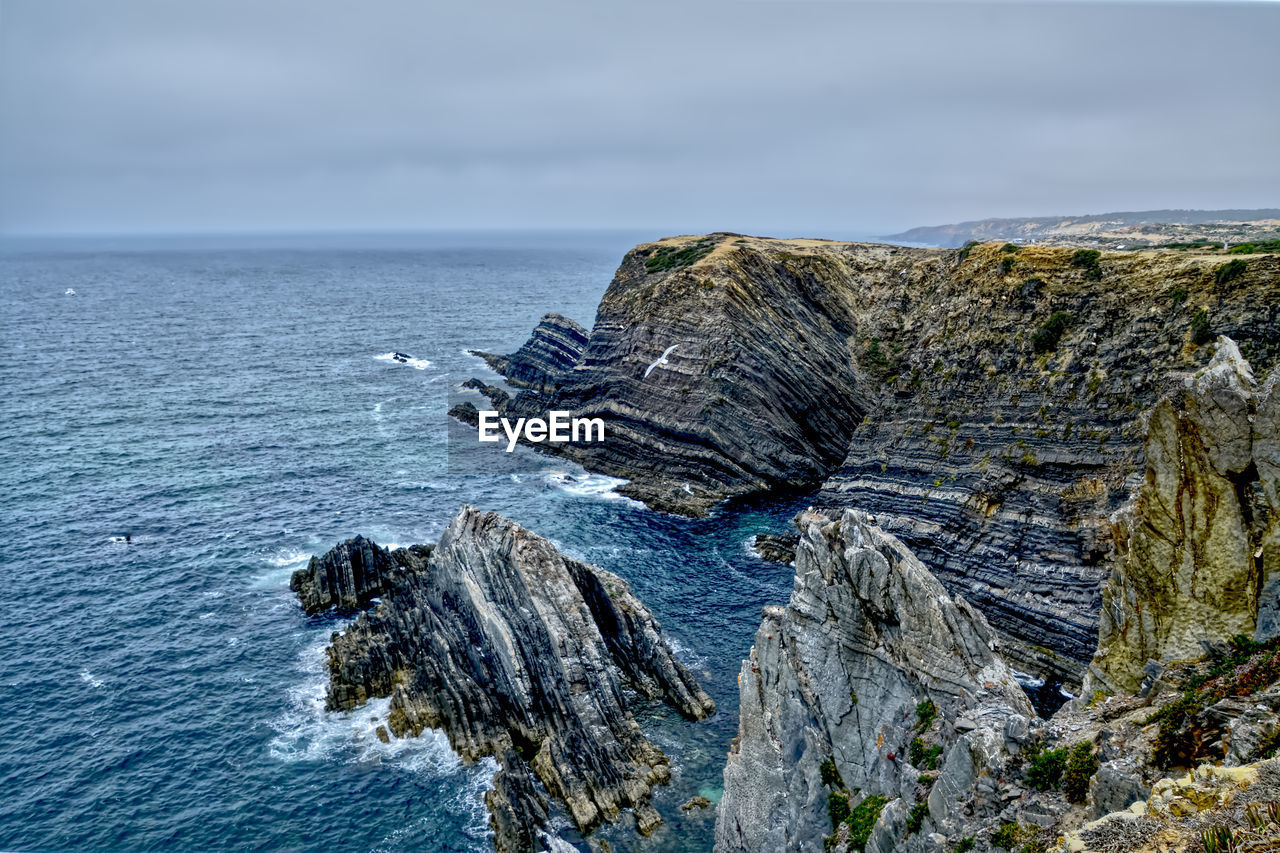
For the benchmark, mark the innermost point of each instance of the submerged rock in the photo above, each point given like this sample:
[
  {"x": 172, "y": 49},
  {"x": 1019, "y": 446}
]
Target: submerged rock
[
  {"x": 870, "y": 655},
  {"x": 523, "y": 654},
  {"x": 1200, "y": 543},
  {"x": 777, "y": 548}
]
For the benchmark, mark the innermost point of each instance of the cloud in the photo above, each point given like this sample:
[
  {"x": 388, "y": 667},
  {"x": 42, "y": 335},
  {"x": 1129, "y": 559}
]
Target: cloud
[{"x": 832, "y": 117}]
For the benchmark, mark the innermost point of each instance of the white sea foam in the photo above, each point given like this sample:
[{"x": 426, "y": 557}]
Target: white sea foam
[
  {"x": 587, "y": 485},
  {"x": 408, "y": 361},
  {"x": 1028, "y": 680},
  {"x": 90, "y": 679},
  {"x": 306, "y": 732},
  {"x": 687, "y": 656},
  {"x": 282, "y": 564}
]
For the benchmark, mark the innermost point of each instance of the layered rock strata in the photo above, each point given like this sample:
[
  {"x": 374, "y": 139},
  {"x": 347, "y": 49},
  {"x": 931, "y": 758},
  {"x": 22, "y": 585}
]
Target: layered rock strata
[
  {"x": 556, "y": 345},
  {"x": 849, "y": 674},
  {"x": 984, "y": 404},
  {"x": 520, "y": 653},
  {"x": 1199, "y": 545},
  {"x": 348, "y": 575}
]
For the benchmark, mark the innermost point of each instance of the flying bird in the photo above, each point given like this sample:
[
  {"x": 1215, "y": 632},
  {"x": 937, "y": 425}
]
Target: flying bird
[{"x": 662, "y": 360}]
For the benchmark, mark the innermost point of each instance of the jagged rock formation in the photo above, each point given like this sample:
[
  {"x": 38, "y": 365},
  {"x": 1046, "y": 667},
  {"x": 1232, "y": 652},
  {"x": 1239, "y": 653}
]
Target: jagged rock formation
[
  {"x": 1200, "y": 542},
  {"x": 518, "y": 652},
  {"x": 347, "y": 576},
  {"x": 839, "y": 674},
  {"x": 984, "y": 404},
  {"x": 556, "y": 345}
]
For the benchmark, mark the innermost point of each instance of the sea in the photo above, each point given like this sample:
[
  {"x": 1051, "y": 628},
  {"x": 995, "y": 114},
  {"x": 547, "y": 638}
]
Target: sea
[{"x": 185, "y": 421}]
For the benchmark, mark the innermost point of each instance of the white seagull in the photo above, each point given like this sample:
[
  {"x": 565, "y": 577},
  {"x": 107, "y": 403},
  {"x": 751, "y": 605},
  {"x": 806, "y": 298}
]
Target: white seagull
[{"x": 662, "y": 360}]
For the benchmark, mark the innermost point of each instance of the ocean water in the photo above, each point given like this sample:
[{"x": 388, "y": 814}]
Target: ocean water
[{"x": 229, "y": 405}]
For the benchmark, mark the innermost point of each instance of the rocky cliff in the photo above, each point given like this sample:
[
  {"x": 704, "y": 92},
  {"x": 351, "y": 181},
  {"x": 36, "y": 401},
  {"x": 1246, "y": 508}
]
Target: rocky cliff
[
  {"x": 871, "y": 677},
  {"x": 984, "y": 403},
  {"x": 520, "y": 653},
  {"x": 1199, "y": 546}
]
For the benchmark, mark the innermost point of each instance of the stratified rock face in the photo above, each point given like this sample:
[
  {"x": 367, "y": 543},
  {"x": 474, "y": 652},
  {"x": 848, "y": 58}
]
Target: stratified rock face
[
  {"x": 556, "y": 345},
  {"x": 985, "y": 405},
  {"x": 347, "y": 576},
  {"x": 838, "y": 674},
  {"x": 1198, "y": 544},
  {"x": 518, "y": 652}
]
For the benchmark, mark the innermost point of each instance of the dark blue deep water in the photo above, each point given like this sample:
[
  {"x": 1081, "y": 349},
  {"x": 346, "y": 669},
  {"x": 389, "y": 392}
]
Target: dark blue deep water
[{"x": 223, "y": 403}]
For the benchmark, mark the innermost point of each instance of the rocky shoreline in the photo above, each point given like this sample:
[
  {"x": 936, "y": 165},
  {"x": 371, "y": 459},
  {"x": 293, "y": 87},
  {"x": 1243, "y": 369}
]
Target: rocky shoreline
[
  {"x": 1025, "y": 460},
  {"x": 985, "y": 404},
  {"x": 520, "y": 653}
]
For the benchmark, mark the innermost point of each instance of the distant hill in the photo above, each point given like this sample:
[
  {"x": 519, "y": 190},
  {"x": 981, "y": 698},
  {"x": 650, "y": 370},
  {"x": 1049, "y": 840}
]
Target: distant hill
[{"x": 1114, "y": 230}]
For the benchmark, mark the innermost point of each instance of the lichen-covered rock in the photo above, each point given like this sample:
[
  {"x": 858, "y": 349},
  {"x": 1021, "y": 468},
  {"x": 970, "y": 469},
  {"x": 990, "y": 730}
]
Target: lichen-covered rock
[
  {"x": 839, "y": 675},
  {"x": 1197, "y": 544},
  {"x": 346, "y": 576},
  {"x": 521, "y": 653}
]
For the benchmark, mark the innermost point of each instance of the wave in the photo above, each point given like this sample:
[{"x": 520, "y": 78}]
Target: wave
[
  {"x": 306, "y": 732},
  {"x": 1027, "y": 680},
  {"x": 587, "y": 485},
  {"x": 401, "y": 358},
  {"x": 283, "y": 564}
]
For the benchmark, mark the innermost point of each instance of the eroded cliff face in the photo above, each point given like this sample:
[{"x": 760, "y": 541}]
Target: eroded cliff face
[
  {"x": 870, "y": 655},
  {"x": 984, "y": 404},
  {"x": 1198, "y": 545},
  {"x": 520, "y": 653}
]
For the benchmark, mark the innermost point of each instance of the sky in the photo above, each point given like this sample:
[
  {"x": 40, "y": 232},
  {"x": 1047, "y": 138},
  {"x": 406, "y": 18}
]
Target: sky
[{"x": 784, "y": 117}]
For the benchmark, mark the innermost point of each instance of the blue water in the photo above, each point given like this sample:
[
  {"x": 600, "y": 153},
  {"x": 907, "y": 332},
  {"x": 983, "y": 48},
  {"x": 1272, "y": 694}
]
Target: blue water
[{"x": 222, "y": 402}]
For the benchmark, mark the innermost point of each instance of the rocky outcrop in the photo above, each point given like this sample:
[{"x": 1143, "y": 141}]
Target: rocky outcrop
[
  {"x": 556, "y": 345},
  {"x": 1198, "y": 544},
  {"x": 347, "y": 576},
  {"x": 870, "y": 677},
  {"x": 776, "y": 548},
  {"x": 520, "y": 653},
  {"x": 984, "y": 404}
]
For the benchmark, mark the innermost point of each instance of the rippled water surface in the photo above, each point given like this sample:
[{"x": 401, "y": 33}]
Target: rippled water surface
[{"x": 229, "y": 406}]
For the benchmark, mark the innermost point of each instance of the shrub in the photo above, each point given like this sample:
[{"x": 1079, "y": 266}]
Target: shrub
[
  {"x": 1088, "y": 260},
  {"x": 863, "y": 819},
  {"x": 1081, "y": 765},
  {"x": 968, "y": 247},
  {"x": 1045, "y": 770},
  {"x": 922, "y": 756},
  {"x": 1006, "y": 266},
  {"x": 1201, "y": 334},
  {"x": 1046, "y": 337},
  {"x": 1229, "y": 271},
  {"x": 830, "y": 775},
  {"x": 838, "y": 808},
  {"x": 1179, "y": 296},
  {"x": 926, "y": 711},
  {"x": 965, "y": 845},
  {"x": 665, "y": 258},
  {"x": 1006, "y": 836},
  {"x": 915, "y": 818},
  {"x": 1010, "y": 248},
  {"x": 1242, "y": 249}
]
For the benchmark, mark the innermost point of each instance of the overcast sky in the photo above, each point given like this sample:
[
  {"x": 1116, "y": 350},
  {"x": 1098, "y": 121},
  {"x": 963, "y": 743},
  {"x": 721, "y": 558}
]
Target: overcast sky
[{"x": 773, "y": 117}]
